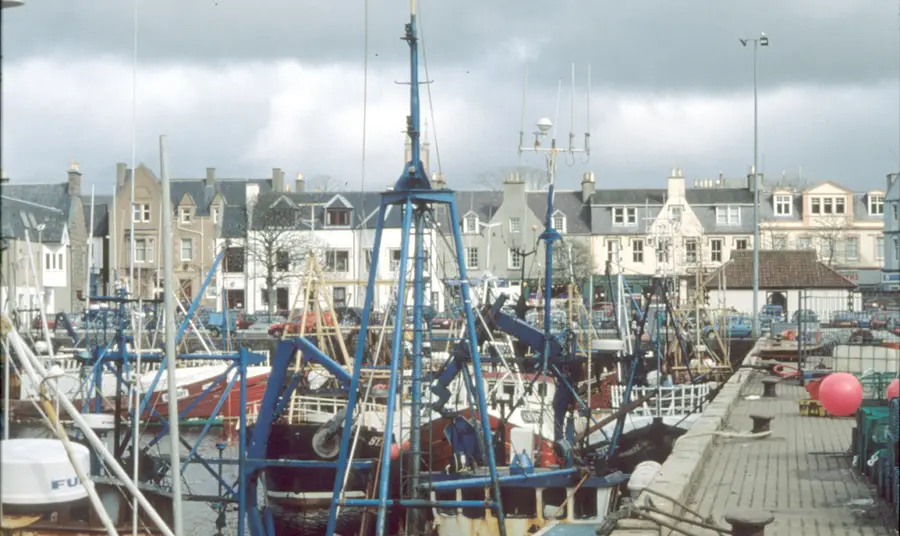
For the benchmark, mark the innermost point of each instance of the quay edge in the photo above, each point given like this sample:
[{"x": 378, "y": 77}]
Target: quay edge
[{"x": 683, "y": 468}]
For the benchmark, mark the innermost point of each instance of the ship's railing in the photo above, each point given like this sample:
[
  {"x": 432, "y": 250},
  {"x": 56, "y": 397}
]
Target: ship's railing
[
  {"x": 305, "y": 406},
  {"x": 673, "y": 400}
]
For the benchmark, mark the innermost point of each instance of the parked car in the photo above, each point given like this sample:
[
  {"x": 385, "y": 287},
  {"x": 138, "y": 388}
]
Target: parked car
[
  {"x": 804, "y": 315},
  {"x": 844, "y": 319},
  {"x": 881, "y": 319},
  {"x": 442, "y": 321},
  {"x": 773, "y": 312},
  {"x": 737, "y": 327},
  {"x": 244, "y": 320},
  {"x": 295, "y": 326}
]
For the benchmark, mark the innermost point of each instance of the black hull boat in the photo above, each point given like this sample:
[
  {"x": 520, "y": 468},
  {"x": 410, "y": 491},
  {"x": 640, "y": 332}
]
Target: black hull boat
[
  {"x": 653, "y": 442},
  {"x": 301, "y": 497}
]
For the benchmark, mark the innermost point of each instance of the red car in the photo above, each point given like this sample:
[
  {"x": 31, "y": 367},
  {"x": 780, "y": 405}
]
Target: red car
[
  {"x": 294, "y": 326},
  {"x": 245, "y": 320},
  {"x": 881, "y": 319}
]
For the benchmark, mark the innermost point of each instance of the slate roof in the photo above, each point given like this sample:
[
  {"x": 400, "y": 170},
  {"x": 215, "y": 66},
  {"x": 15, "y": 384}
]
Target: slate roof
[
  {"x": 25, "y": 206},
  {"x": 767, "y": 207},
  {"x": 779, "y": 270},
  {"x": 101, "y": 213},
  {"x": 233, "y": 190},
  {"x": 578, "y": 214}
]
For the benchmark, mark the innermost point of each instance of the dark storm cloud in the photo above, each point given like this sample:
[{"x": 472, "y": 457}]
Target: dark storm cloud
[{"x": 661, "y": 46}]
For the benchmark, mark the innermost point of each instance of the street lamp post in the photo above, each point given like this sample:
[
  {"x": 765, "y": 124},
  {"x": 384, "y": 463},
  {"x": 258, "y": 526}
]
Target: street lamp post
[{"x": 762, "y": 40}]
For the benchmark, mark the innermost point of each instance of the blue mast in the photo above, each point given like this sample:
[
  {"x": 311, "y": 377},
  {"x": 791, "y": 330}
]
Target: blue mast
[{"x": 414, "y": 195}]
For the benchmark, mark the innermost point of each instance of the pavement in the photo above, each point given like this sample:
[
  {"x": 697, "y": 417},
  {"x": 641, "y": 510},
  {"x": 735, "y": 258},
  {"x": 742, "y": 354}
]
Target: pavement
[{"x": 801, "y": 474}]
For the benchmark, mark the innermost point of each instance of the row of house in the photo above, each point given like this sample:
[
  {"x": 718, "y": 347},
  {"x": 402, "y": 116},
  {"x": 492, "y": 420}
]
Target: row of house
[{"x": 680, "y": 230}]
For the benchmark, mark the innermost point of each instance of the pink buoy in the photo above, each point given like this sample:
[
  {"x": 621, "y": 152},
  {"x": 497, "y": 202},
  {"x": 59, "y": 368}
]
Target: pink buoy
[
  {"x": 893, "y": 390},
  {"x": 841, "y": 394}
]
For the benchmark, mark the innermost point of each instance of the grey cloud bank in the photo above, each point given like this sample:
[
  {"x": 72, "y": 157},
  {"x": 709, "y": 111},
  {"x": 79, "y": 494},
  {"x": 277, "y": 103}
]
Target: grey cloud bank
[{"x": 246, "y": 89}]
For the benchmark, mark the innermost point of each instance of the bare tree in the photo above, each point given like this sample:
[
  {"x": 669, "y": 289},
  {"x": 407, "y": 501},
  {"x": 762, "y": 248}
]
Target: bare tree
[
  {"x": 574, "y": 256},
  {"x": 325, "y": 183},
  {"x": 829, "y": 237},
  {"x": 534, "y": 178},
  {"x": 278, "y": 244}
]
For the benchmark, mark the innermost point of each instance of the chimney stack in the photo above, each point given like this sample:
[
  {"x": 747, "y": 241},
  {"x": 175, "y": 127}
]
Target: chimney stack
[
  {"x": 277, "y": 180},
  {"x": 210, "y": 177},
  {"x": 588, "y": 187},
  {"x": 74, "y": 179},
  {"x": 299, "y": 184}
]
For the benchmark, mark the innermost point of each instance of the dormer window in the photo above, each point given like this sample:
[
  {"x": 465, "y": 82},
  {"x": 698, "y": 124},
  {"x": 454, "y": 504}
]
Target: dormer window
[
  {"x": 728, "y": 215},
  {"x": 559, "y": 222},
  {"x": 186, "y": 214},
  {"x": 783, "y": 205},
  {"x": 839, "y": 207},
  {"x": 675, "y": 213},
  {"x": 876, "y": 204},
  {"x": 337, "y": 217},
  {"x": 215, "y": 214},
  {"x": 623, "y": 216},
  {"x": 470, "y": 224},
  {"x": 828, "y": 205}
]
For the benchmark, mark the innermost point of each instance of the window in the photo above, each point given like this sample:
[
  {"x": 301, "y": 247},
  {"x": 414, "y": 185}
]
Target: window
[
  {"x": 337, "y": 260},
  {"x": 741, "y": 243},
  {"x": 675, "y": 213},
  {"x": 783, "y": 205},
  {"x": 637, "y": 251},
  {"x": 187, "y": 249},
  {"x": 876, "y": 204},
  {"x": 839, "y": 205},
  {"x": 612, "y": 250},
  {"x": 895, "y": 209},
  {"x": 851, "y": 248},
  {"x": 559, "y": 222},
  {"x": 804, "y": 242},
  {"x": 728, "y": 215},
  {"x": 472, "y": 258},
  {"x": 339, "y": 296},
  {"x": 395, "y": 260},
  {"x": 690, "y": 251},
  {"x": 779, "y": 241},
  {"x": 715, "y": 250},
  {"x": 515, "y": 225},
  {"x": 515, "y": 259},
  {"x": 896, "y": 249},
  {"x": 624, "y": 216},
  {"x": 368, "y": 256},
  {"x": 215, "y": 214},
  {"x": 879, "y": 248},
  {"x": 282, "y": 260},
  {"x": 337, "y": 217},
  {"x": 140, "y": 250},
  {"x": 47, "y": 265},
  {"x": 662, "y": 251},
  {"x": 827, "y": 205},
  {"x": 234, "y": 260},
  {"x": 59, "y": 258},
  {"x": 815, "y": 205},
  {"x": 185, "y": 214},
  {"x": 141, "y": 212},
  {"x": 470, "y": 224}
]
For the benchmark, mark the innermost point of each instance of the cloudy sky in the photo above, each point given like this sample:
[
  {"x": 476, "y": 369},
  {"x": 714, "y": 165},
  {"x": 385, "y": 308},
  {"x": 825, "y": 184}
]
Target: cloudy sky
[{"x": 280, "y": 84}]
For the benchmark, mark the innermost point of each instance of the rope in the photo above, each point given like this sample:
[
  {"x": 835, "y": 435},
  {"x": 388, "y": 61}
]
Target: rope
[
  {"x": 779, "y": 370},
  {"x": 729, "y": 435}
]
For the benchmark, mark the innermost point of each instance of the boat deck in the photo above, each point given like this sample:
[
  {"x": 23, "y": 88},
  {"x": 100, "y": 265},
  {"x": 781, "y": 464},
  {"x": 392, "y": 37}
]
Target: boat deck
[{"x": 801, "y": 474}]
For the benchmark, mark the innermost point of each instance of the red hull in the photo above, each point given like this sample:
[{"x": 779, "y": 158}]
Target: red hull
[{"x": 188, "y": 394}]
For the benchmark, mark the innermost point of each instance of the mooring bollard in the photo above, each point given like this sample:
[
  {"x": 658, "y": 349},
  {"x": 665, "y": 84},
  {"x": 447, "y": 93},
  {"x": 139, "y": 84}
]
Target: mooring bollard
[
  {"x": 761, "y": 423},
  {"x": 769, "y": 387},
  {"x": 749, "y": 523}
]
